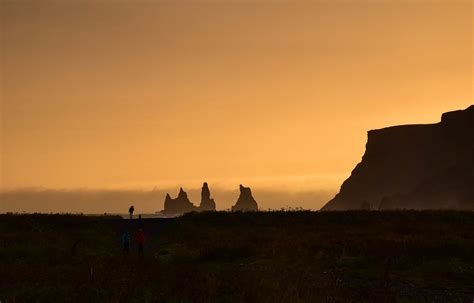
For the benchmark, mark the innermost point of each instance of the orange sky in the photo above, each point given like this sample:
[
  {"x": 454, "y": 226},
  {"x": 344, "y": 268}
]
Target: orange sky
[{"x": 272, "y": 94}]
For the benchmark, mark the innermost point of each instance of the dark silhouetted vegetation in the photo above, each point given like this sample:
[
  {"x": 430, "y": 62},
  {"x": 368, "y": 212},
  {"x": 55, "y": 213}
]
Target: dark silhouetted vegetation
[{"x": 354, "y": 256}]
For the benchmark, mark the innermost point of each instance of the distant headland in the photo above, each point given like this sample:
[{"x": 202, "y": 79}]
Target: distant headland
[{"x": 414, "y": 167}]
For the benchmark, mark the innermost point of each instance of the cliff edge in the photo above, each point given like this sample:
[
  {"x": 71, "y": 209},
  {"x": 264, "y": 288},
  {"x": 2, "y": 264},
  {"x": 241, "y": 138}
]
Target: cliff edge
[{"x": 414, "y": 167}]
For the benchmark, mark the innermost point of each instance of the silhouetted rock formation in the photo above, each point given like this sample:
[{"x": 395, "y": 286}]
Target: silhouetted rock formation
[
  {"x": 207, "y": 204},
  {"x": 182, "y": 205},
  {"x": 245, "y": 202},
  {"x": 414, "y": 167},
  {"x": 178, "y": 206}
]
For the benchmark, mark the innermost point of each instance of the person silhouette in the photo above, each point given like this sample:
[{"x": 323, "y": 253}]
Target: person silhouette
[
  {"x": 130, "y": 211},
  {"x": 140, "y": 222},
  {"x": 126, "y": 242},
  {"x": 140, "y": 239}
]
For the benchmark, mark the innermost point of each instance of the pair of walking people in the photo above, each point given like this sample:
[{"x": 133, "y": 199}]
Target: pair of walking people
[{"x": 139, "y": 240}]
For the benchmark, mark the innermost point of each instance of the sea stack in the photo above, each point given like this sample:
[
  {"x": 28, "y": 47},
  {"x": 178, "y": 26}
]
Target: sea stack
[
  {"x": 207, "y": 204},
  {"x": 246, "y": 202},
  {"x": 178, "y": 206}
]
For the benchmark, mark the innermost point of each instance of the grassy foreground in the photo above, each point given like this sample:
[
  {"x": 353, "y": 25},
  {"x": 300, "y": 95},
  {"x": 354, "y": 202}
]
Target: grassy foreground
[{"x": 356, "y": 256}]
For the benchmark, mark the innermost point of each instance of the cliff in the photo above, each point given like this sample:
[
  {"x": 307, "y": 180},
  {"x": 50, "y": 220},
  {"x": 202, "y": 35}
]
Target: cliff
[{"x": 414, "y": 167}]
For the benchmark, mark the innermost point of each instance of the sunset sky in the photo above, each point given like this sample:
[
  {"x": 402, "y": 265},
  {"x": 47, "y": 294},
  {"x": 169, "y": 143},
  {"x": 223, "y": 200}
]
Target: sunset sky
[{"x": 277, "y": 95}]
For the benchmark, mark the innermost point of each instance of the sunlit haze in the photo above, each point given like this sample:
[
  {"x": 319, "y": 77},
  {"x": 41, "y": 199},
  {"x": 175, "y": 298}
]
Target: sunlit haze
[{"x": 276, "y": 95}]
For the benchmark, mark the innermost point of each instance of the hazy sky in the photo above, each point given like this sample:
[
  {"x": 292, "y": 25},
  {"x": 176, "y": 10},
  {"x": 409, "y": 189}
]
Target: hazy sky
[{"x": 273, "y": 94}]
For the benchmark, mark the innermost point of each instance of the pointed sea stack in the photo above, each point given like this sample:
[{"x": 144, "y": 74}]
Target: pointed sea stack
[
  {"x": 207, "y": 204},
  {"x": 245, "y": 202},
  {"x": 178, "y": 206}
]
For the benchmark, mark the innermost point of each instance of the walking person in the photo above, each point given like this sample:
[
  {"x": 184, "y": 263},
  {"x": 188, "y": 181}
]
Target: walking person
[
  {"x": 130, "y": 211},
  {"x": 126, "y": 242},
  {"x": 140, "y": 239}
]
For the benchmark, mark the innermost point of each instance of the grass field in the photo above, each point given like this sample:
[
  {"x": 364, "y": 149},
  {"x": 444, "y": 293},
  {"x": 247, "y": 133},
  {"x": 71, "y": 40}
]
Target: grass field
[{"x": 355, "y": 256}]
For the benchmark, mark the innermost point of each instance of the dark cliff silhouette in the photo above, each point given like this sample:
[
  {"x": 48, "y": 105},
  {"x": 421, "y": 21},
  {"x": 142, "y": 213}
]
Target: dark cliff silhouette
[
  {"x": 246, "y": 202},
  {"x": 414, "y": 167},
  {"x": 182, "y": 205}
]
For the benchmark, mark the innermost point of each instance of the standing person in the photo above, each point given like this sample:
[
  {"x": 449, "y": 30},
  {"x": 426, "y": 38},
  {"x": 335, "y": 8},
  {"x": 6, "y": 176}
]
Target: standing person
[
  {"x": 130, "y": 211},
  {"x": 126, "y": 242},
  {"x": 140, "y": 239},
  {"x": 140, "y": 222}
]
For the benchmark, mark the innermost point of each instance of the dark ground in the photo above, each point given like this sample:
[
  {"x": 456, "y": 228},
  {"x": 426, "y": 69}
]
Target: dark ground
[{"x": 355, "y": 256}]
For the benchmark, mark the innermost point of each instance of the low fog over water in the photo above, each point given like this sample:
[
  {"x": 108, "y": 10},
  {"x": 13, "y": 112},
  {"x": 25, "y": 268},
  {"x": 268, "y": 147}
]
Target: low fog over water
[{"x": 118, "y": 201}]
